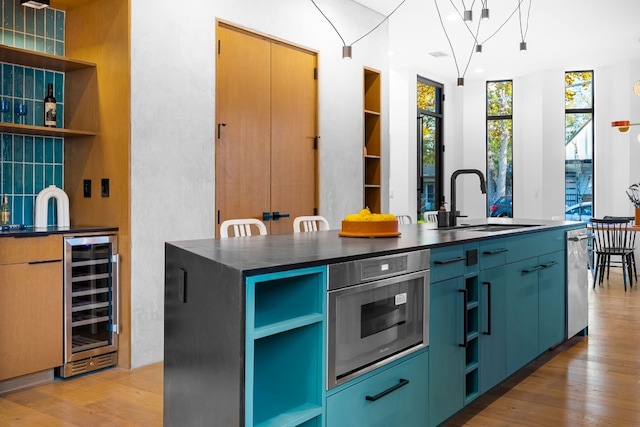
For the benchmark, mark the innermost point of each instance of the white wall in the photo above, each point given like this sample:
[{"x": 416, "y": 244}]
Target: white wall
[{"x": 173, "y": 122}]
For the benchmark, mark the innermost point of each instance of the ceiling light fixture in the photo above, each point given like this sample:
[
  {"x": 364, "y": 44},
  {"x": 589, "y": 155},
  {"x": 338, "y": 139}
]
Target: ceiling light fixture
[
  {"x": 346, "y": 49},
  {"x": 35, "y": 4},
  {"x": 478, "y": 44}
]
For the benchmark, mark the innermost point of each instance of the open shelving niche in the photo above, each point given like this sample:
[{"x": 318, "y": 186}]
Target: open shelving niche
[
  {"x": 372, "y": 140},
  {"x": 284, "y": 363},
  {"x": 45, "y": 61},
  {"x": 472, "y": 330}
]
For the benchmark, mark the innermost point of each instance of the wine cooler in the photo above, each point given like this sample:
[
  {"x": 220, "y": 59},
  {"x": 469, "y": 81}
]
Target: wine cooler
[{"x": 90, "y": 304}]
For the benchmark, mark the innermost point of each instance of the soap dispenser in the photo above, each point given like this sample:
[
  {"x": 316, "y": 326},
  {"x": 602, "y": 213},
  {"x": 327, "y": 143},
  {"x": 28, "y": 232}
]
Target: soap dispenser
[{"x": 443, "y": 215}]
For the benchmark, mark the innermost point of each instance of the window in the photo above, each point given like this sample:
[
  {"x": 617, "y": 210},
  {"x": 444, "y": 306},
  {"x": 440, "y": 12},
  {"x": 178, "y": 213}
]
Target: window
[
  {"x": 578, "y": 169},
  {"x": 429, "y": 183},
  {"x": 500, "y": 148}
]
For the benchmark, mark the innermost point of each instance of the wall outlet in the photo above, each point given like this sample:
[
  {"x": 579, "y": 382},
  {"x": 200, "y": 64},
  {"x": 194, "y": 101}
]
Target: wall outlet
[
  {"x": 86, "y": 188},
  {"x": 105, "y": 187}
]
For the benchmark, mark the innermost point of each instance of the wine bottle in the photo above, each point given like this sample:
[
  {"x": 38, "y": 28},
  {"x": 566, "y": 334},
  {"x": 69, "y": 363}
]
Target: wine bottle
[
  {"x": 5, "y": 212},
  {"x": 50, "y": 108}
]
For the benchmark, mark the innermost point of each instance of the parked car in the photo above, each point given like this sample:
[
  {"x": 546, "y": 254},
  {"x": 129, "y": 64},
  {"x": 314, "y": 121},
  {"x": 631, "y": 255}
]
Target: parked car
[
  {"x": 580, "y": 212},
  {"x": 503, "y": 207}
]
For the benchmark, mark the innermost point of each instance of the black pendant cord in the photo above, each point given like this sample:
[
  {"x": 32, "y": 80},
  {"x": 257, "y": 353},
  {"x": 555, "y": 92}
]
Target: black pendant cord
[{"x": 365, "y": 35}]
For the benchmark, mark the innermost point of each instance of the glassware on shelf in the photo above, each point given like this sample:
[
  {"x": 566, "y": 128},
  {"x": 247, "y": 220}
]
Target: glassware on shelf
[{"x": 21, "y": 112}]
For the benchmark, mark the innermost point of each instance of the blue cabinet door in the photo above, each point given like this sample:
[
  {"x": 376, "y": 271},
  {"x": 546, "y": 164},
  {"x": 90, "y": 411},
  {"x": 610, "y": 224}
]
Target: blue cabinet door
[
  {"x": 552, "y": 300},
  {"x": 493, "y": 327},
  {"x": 395, "y": 396},
  {"x": 446, "y": 364},
  {"x": 522, "y": 313}
]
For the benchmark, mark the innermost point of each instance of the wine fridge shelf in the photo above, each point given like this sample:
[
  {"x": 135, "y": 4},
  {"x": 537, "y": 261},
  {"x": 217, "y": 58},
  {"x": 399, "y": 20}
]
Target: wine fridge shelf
[{"x": 82, "y": 343}]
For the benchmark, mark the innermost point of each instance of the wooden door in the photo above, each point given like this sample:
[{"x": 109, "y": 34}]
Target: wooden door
[
  {"x": 293, "y": 131},
  {"x": 243, "y": 152},
  {"x": 266, "y": 121}
]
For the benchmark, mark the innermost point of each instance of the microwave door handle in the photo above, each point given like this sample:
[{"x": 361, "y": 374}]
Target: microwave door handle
[{"x": 464, "y": 317}]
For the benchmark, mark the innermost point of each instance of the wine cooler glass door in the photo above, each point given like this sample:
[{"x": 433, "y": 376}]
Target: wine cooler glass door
[{"x": 91, "y": 297}]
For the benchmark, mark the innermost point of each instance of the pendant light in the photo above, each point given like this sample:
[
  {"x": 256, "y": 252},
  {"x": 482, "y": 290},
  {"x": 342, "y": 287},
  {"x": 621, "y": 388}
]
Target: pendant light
[{"x": 35, "y": 4}]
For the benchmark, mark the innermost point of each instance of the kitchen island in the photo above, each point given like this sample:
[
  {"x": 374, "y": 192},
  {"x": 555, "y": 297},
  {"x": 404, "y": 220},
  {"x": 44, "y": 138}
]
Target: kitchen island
[{"x": 235, "y": 355}]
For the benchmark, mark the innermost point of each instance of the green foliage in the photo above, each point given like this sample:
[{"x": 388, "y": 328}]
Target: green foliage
[
  {"x": 578, "y": 89},
  {"x": 426, "y": 97}
]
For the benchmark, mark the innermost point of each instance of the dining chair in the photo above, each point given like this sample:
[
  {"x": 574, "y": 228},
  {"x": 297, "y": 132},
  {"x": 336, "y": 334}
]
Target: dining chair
[
  {"x": 631, "y": 241},
  {"x": 310, "y": 223},
  {"x": 611, "y": 238},
  {"x": 241, "y": 227},
  {"x": 404, "y": 218}
]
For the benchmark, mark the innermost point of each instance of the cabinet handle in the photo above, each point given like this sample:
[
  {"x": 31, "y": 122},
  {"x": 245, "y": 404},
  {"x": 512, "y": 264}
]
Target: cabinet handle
[
  {"x": 277, "y": 215},
  {"x": 266, "y": 216},
  {"x": 391, "y": 389},
  {"x": 496, "y": 251},
  {"x": 531, "y": 270},
  {"x": 465, "y": 321},
  {"x": 488, "y": 332},
  {"x": 551, "y": 264},
  {"x": 50, "y": 261},
  {"x": 220, "y": 125},
  {"x": 449, "y": 261}
]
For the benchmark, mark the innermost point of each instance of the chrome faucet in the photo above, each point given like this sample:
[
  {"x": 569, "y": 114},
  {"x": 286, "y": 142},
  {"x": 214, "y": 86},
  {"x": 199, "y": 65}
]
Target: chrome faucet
[{"x": 483, "y": 187}]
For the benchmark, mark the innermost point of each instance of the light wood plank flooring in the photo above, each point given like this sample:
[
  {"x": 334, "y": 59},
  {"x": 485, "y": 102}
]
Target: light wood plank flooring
[{"x": 592, "y": 381}]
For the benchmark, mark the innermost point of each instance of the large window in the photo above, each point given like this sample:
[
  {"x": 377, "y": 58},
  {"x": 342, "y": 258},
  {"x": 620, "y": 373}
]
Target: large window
[
  {"x": 578, "y": 170},
  {"x": 500, "y": 148},
  {"x": 430, "y": 188}
]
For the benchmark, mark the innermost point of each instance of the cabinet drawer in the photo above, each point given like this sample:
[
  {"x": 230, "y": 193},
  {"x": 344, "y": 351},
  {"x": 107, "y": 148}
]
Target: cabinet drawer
[
  {"x": 534, "y": 244},
  {"x": 15, "y": 250},
  {"x": 493, "y": 253},
  {"x": 365, "y": 405}
]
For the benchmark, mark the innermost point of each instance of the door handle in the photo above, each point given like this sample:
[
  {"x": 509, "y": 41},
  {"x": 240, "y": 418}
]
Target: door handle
[
  {"x": 488, "y": 284},
  {"x": 266, "y": 216},
  {"x": 277, "y": 215},
  {"x": 219, "y": 126}
]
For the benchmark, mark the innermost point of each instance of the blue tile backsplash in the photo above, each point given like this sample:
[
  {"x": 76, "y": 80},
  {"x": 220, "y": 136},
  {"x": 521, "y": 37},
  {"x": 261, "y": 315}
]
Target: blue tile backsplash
[{"x": 28, "y": 164}]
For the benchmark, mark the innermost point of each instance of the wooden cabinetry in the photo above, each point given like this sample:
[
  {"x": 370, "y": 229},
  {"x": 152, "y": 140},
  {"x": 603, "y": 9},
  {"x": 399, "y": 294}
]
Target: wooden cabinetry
[
  {"x": 31, "y": 305},
  {"x": 285, "y": 350},
  {"x": 372, "y": 140},
  {"x": 72, "y": 98},
  {"x": 391, "y": 396}
]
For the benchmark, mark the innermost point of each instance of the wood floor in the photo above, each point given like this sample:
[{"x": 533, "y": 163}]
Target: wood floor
[{"x": 590, "y": 381}]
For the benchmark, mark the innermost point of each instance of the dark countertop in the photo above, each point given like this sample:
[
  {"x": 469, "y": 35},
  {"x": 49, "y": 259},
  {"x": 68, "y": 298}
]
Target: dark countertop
[
  {"x": 44, "y": 231},
  {"x": 264, "y": 254}
]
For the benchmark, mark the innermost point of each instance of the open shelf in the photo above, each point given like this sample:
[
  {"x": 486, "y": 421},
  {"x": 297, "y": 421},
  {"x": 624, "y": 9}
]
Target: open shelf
[
  {"x": 42, "y": 131},
  {"x": 372, "y": 140},
  {"x": 30, "y": 58}
]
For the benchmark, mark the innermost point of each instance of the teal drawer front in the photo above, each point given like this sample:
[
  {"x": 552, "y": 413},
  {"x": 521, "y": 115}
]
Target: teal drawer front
[
  {"x": 451, "y": 261},
  {"x": 365, "y": 404},
  {"x": 532, "y": 245},
  {"x": 493, "y": 253}
]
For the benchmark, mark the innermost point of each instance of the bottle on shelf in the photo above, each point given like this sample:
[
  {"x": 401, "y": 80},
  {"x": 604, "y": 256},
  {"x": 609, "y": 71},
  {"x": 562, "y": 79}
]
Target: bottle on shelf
[
  {"x": 5, "y": 212},
  {"x": 50, "y": 107}
]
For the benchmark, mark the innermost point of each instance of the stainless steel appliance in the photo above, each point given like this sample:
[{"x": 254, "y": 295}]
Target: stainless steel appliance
[
  {"x": 577, "y": 282},
  {"x": 90, "y": 304},
  {"x": 378, "y": 311}
]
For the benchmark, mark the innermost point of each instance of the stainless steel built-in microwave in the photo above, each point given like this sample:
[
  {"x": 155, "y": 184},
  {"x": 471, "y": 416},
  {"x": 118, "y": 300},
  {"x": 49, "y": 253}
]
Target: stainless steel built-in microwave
[{"x": 377, "y": 312}]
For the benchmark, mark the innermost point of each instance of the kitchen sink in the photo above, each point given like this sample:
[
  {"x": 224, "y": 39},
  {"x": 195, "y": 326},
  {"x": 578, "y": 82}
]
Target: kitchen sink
[{"x": 496, "y": 227}]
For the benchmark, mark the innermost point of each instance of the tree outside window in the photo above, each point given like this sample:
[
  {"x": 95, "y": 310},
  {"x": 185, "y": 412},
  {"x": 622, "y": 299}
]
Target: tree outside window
[{"x": 500, "y": 148}]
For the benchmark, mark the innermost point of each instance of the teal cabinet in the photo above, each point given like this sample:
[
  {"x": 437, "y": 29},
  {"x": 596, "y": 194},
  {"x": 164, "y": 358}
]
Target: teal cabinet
[
  {"x": 394, "y": 396},
  {"x": 285, "y": 348},
  {"x": 493, "y": 327},
  {"x": 522, "y": 313},
  {"x": 446, "y": 367},
  {"x": 551, "y": 300},
  {"x": 454, "y": 322}
]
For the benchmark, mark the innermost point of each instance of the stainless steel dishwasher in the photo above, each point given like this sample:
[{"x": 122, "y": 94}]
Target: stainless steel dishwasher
[{"x": 577, "y": 282}]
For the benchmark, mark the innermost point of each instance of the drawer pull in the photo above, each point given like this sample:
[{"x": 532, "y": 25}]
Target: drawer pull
[
  {"x": 449, "y": 261},
  {"x": 382, "y": 394},
  {"x": 551, "y": 264},
  {"x": 45, "y": 262},
  {"x": 496, "y": 251},
  {"x": 532, "y": 269}
]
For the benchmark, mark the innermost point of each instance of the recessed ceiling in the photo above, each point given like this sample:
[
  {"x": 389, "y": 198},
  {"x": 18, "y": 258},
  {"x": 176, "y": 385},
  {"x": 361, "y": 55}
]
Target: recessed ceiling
[{"x": 565, "y": 34}]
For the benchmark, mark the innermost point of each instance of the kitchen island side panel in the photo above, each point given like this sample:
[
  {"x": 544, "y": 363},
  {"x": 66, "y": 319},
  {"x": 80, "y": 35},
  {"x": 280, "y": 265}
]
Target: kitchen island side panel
[{"x": 204, "y": 337}]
